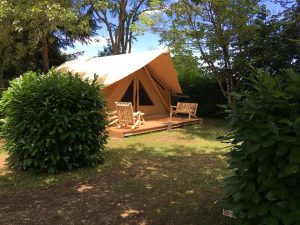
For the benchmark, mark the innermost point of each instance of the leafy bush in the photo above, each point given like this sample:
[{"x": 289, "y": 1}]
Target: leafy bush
[
  {"x": 53, "y": 122},
  {"x": 265, "y": 151},
  {"x": 204, "y": 91},
  {"x": 197, "y": 85}
]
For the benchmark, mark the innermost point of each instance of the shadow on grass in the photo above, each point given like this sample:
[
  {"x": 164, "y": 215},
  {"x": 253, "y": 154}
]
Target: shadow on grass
[
  {"x": 177, "y": 185},
  {"x": 11, "y": 179},
  {"x": 137, "y": 184}
]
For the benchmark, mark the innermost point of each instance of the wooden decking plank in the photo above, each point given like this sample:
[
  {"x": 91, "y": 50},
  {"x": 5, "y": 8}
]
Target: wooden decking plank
[{"x": 153, "y": 125}]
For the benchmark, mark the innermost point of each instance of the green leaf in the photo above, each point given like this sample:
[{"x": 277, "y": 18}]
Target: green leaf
[
  {"x": 252, "y": 212},
  {"x": 295, "y": 156},
  {"x": 263, "y": 209},
  {"x": 253, "y": 148},
  {"x": 51, "y": 170},
  {"x": 271, "y": 196},
  {"x": 273, "y": 127},
  {"x": 297, "y": 120},
  {"x": 271, "y": 220},
  {"x": 289, "y": 170},
  {"x": 256, "y": 198},
  {"x": 288, "y": 219},
  {"x": 286, "y": 121},
  {"x": 236, "y": 197}
]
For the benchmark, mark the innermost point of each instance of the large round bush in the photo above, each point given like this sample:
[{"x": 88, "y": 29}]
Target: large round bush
[
  {"x": 53, "y": 122},
  {"x": 265, "y": 151}
]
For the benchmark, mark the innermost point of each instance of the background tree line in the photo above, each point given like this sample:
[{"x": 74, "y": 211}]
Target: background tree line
[
  {"x": 228, "y": 37},
  {"x": 214, "y": 42}
]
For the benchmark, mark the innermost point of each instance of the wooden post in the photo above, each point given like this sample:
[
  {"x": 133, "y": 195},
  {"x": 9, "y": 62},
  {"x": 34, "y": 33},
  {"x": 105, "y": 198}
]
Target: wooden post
[
  {"x": 135, "y": 93},
  {"x": 156, "y": 89}
]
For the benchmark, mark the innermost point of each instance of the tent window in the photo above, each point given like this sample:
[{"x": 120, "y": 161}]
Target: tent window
[
  {"x": 144, "y": 98},
  {"x": 128, "y": 96}
]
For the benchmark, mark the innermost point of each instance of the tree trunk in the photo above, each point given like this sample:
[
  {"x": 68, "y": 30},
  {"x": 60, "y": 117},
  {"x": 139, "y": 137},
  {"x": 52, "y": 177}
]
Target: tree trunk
[
  {"x": 130, "y": 42},
  {"x": 45, "y": 56}
]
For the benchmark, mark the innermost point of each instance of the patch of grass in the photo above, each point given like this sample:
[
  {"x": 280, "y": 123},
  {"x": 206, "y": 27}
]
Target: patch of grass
[
  {"x": 12, "y": 180},
  {"x": 177, "y": 144},
  {"x": 174, "y": 177},
  {"x": 2, "y": 150}
]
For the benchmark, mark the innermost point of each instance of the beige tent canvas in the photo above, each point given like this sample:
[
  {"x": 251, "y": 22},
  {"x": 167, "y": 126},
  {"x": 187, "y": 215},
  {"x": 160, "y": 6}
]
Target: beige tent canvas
[{"x": 146, "y": 79}]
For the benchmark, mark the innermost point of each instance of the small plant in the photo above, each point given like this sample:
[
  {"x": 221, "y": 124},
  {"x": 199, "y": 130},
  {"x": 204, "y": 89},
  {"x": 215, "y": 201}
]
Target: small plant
[
  {"x": 53, "y": 122},
  {"x": 265, "y": 151}
]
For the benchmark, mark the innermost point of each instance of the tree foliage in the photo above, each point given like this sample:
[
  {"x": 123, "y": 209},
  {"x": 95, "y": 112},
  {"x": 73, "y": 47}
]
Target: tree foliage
[
  {"x": 53, "y": 122},
  {"x": 197, "y": 86},
  {"x": 107, "y": 51},
  {"x": 265, "y": 151},
  {"x": 276, "y": 42},
  {"x": 230, "y": 35},
  {"x": 31, "y": 28},
  {"x": 211, "y": 29}
]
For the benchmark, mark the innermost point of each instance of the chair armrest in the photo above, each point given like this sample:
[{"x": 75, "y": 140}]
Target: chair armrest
[
  {"x": 138, "y": 113},
  {"x": 111, "y": 116},
  {"x": 112, "y": 113}
]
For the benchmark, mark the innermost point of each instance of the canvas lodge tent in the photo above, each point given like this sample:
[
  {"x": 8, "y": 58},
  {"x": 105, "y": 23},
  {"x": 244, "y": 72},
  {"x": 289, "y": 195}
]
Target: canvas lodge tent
[{"x": 146, "y": 79}]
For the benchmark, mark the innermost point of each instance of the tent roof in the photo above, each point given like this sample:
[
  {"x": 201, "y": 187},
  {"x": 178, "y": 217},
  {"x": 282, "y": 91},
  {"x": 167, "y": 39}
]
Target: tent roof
[{"x": 111, "y": 69}]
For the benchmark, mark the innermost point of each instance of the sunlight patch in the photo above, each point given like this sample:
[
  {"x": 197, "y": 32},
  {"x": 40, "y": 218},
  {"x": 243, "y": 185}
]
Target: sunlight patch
[
  {"x": 50, "y": 180},
  {"x": 5, "y": 172},
  {"x": 149, "y": 186},
  {"x": 130, "y": 212},
  {"x": 84, "y": 187},
  {"x": 190, "y": 192}
]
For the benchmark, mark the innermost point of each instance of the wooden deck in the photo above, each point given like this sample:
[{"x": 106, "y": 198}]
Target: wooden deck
[{"x": 152, "y": 125}]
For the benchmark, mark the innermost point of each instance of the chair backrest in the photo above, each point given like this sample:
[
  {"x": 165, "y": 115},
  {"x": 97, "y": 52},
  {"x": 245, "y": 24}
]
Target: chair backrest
[
  {"x": 125, "y": 112},
  {"x": 183, "y": 107}
]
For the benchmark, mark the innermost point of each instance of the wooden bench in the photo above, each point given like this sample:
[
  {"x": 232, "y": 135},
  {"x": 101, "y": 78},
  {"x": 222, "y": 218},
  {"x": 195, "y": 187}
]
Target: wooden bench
[{"x": 184, "y": 108}]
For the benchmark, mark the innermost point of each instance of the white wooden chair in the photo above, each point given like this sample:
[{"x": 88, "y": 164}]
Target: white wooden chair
[{"x": 126, "y": 116}]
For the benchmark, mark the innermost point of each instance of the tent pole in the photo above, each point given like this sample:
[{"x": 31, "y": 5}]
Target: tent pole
[
  {"x": 135, "y": 93},
  {"x": 156, "y": 89}
]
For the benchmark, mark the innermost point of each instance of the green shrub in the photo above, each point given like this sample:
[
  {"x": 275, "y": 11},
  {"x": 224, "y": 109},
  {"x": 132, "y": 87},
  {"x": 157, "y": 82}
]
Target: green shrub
[
  {"x": 204, "y": 91},
  {"x": 265, "y": 151},
  {"x": 53, "y": 122},
  {"x": 197, "y": 85}
]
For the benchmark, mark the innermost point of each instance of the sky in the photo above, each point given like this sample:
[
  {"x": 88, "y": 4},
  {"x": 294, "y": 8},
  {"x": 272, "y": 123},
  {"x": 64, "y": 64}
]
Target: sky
[{"x": 145, "y": 42}]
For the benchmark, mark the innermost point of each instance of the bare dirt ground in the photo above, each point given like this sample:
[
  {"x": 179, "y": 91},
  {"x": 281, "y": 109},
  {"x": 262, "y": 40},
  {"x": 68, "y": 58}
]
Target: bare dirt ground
[
  {"x": 87, "y": 202},
  {"x": 140, "y": 192}
]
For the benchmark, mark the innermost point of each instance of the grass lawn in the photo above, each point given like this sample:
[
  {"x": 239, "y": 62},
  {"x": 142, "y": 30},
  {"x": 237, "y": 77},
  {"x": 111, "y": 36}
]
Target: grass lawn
[{"x": 170, "y": 177}]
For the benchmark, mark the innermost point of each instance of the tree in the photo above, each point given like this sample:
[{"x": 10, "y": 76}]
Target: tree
[
  {"x": 119, "y": 18},
  {"x": 279, "y": 34},
  {"x": 228, "y": 35},
  {"x": 107, "y": 51},
  {"x": 213, "y": 29},
  {"x": 197, "y": 85},
  {"x": 31, "y": 26}
]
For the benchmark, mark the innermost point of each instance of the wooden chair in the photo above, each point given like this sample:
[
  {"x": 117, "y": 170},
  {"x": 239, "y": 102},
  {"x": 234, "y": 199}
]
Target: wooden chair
[
  {"x": 184, "y": 108},
  {"x": 126, "y": 116},
  {"x": 112, "y": 118}
]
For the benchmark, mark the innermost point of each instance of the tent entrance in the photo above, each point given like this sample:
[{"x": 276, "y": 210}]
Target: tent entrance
[{"x": 137, "y": 95}]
